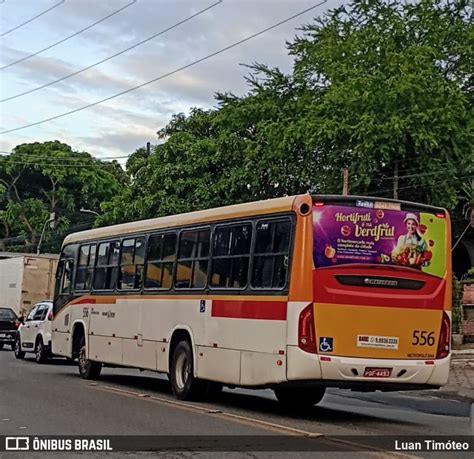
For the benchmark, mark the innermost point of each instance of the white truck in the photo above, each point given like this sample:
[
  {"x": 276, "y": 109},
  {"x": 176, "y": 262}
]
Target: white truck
[{"x": 26, "y": 279}]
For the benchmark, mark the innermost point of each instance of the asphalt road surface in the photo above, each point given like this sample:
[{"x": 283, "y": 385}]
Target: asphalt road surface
[{"x": 51, "y": 399}]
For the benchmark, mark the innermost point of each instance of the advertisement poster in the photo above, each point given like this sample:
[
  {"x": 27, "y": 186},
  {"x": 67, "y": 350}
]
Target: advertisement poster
[{"x": 345, "y": 235}]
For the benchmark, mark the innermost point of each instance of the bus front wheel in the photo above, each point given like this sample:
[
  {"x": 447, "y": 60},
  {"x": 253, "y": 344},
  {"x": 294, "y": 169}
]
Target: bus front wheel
[
  {"x": 183, "y": 383},
  {"x": 88, "y": 369},
  {"x": 301, "y": 397}
]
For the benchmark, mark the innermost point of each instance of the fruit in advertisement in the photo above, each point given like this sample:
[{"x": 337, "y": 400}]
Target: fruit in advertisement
[
  {"x": 412, "y": 256},
  {"x": 379, "y": 214},
  {"x": 427, "y": 255},
  {"x": 431, "y": 242},
  {"x": 329, "y": 252},
  {"x": 423, "y": 229},
  {"x": 346, "y": 230}
]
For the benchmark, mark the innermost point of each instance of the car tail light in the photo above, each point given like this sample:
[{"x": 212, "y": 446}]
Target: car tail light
[
  {"x": 17, "y": 324},
  {"x": 444, "y": 337},
  {"x": 306, "y": 331},
  {"x": 50, "y": 315}
]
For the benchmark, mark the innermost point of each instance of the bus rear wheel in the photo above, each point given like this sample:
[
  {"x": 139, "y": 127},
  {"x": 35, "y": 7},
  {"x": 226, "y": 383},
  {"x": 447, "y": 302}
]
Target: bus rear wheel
[
  {"x": 88, "y": 369},
  {"x": 300, "y": 397},
  {"x": 183, "y": 383}
]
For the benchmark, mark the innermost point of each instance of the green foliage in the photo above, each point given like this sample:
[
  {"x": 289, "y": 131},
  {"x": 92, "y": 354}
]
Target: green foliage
[
  {"x": 40, "y": 178},
  {"x": 377, "y": 86},
  {"x": 396, "y": 81},
  {"x": 468, "y": 278}
]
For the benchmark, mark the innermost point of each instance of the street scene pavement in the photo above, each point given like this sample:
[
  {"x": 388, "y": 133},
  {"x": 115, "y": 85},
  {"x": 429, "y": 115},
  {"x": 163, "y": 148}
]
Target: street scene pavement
[{"x": 51, "y": 399}]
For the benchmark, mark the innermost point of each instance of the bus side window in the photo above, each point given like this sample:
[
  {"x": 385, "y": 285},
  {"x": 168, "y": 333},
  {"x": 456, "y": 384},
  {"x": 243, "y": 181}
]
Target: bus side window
[
  {"x": 131, "y": 263},
  {"x": 270, "y": 261},
  {"x": 193, "y": 259},
  {"x": 161, "y": 257},
  {"x": 81, "y": 271},
  {"x": 105, "y": 275},
  {"x": 231, "y": 256}
]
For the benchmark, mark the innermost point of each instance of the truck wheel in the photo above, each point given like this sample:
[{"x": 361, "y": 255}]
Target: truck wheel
[
  {"x": 299, "y": 398},
  {"x": 19, "y": 354},
  {"x": 41, "y": 352},
  {"x": 88, "y": 369},
  {"x": 1, "y": 346},
  {"x": 183, "y": 383}
]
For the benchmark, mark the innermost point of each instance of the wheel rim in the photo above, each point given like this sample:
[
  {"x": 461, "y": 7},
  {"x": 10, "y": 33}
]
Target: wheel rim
[
  {"x": 82, "y": 360},
  {"x": 183, "y": 370},
  {"x": 39, "y": 351},
  {"x": 17, "y": 347}
]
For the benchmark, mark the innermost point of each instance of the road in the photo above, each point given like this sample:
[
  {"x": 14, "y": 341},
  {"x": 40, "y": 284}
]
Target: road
[{"x": 51, "y": 399}]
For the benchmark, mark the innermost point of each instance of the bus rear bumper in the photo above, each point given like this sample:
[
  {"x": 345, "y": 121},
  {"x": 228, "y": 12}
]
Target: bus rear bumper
[
  {"x": 431, "y": 372},
  {"x": 354, "y": 370}
]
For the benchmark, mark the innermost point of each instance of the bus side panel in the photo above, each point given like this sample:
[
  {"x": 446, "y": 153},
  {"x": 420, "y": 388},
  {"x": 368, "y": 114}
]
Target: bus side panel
[{"x": 256, "y": 328}]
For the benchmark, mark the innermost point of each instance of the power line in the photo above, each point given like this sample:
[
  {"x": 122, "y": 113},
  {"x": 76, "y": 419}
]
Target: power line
[
  {"x": 418, "y": 185},
  {"x": 113, "y": 55},
  {"x": 69, "y": 37},
  {"x": 40, "y": 157},
  {"x": 25, "y": 163},
  {"x": 184, "y": 67},
  {"x": 32, "y": 19}
]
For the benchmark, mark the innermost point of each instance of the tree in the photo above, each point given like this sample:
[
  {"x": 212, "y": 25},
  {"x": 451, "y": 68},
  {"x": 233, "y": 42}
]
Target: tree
[
  {"x": 382, "y": 88},
  {"x": 397, "y": 92},
  {"x": 40, "y": 178}
]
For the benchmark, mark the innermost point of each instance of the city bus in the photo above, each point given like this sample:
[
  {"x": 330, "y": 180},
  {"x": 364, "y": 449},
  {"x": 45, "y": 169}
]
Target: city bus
[{"x": 295, "y": 294}]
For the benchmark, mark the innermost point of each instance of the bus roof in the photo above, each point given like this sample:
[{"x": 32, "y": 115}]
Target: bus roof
[
  {"x": 249, "y": 209},
  {"x": 269, "y": 206}
]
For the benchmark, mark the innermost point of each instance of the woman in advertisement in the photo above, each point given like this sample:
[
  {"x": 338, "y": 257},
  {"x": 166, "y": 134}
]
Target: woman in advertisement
[{"x": 410, "y": 246}]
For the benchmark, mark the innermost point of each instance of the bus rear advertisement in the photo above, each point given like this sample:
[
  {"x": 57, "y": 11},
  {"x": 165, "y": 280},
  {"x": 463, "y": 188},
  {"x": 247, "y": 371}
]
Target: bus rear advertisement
[{"x": 296, "y": 294}]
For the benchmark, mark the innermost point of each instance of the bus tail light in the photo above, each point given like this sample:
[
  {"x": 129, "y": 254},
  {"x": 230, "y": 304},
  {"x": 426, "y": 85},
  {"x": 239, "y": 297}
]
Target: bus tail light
[
  {"x": 306, "y": 330},
  {"x": 50, "y": 315},
  {"x": 444, "y": 337}
]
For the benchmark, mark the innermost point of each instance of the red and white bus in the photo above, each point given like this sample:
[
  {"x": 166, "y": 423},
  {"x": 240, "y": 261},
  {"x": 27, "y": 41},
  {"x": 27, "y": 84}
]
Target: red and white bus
[{"x": 296, "y": 294}]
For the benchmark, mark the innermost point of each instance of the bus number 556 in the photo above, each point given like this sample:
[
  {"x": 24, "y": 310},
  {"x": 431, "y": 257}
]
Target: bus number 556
[{"x": 423, "y": 338}]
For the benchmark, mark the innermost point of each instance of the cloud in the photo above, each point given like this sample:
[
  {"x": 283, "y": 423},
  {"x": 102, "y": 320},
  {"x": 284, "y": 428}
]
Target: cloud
[{"x": 127, "y": 122}]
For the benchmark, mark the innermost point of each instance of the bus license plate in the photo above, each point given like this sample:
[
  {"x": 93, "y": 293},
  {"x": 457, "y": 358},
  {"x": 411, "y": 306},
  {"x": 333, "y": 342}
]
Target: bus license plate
[{"x": 371, "y": 372}]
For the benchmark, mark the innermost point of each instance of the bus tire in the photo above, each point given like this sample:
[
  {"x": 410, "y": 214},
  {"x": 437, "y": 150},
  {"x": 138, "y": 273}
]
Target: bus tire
[
  {"x": 41, "y": 352},
  {"x": 88, "y": 369},
  {"x": 300, "y": 397},
  {"x": 19, "y": 354},
  {"x": 183, "y": 383}
]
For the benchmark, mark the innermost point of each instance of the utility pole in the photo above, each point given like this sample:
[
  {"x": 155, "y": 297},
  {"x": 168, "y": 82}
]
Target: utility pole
[
  {"x": 395, "y": 181},
  {"x": 51, "y": 222},
  {"x": 148, "y": 148},
  {"x": 345, "y": 181}
]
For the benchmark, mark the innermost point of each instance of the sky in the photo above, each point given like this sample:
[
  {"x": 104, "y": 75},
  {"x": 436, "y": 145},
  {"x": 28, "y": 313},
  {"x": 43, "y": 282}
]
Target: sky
[{"x": 117, "y": 127}]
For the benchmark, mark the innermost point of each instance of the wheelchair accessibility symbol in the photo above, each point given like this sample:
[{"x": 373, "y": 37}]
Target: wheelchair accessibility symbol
[{"x": 326, "y": 344}]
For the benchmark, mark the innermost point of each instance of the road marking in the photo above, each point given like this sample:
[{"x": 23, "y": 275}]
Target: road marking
[
  {"x": 370, "y": 450},
  {"x": 6, "y": 419}
]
